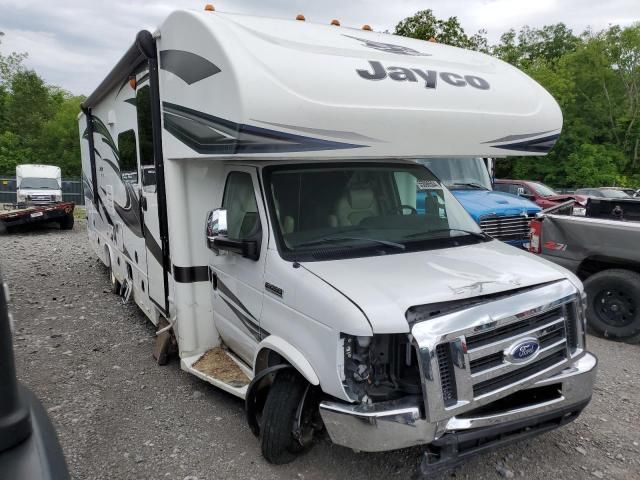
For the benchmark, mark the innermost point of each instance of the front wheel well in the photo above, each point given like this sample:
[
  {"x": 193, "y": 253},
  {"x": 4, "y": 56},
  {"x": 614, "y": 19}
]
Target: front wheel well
[{"x": 595, "y": 264}]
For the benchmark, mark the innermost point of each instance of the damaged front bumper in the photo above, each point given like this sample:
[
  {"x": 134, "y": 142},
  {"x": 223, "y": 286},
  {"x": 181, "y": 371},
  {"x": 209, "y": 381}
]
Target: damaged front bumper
[{"x": 402, "y": 423}]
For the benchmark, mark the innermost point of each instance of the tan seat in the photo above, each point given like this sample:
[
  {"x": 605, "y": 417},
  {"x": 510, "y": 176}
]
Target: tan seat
[
  {"x": 353, "y": 207},
  {"x": 287, "y": 223}
]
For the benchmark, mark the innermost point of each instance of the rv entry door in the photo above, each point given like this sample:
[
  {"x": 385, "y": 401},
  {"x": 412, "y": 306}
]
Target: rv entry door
[{"x": 149, "y": 202}]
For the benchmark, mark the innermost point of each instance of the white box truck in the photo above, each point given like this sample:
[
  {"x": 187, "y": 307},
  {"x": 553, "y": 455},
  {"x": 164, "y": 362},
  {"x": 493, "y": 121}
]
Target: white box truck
[
  {"x": 38, "y": 184},
  {"x": 251, "y": 183}
]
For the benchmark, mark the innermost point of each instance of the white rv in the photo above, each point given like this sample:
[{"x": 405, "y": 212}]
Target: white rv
[
  {"x": 38, "y": 184},
  {"x": 251, "y": 183}
]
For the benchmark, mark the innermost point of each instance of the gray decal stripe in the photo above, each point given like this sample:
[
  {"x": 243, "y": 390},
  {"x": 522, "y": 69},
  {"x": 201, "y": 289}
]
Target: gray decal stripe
[
  {"x": 130, "y": 213},
  {"x": 248, "y": 324},
  {"x": 320, "y": 131},
  {"x": 191, "y": 68},
  {"x": 207, "y": 134},
  {"x": 228, "y": 293},
  {"x": 510, "y": 138},
  {"x": 152, "y": 245},
  {"x": 538, "y": 145}
]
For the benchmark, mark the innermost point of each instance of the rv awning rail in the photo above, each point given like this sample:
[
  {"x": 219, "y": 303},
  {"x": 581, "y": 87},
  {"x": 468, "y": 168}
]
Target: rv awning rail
[{"x": 143, "y": 48}]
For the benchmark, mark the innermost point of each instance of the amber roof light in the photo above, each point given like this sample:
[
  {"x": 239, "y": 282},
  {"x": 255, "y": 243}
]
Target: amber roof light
[
  {"x": 300, "y": 17},
  {"x": 367, "y": 28},
  {"x": 209, "y": 8},
  {"x": 335, "y": 22}
]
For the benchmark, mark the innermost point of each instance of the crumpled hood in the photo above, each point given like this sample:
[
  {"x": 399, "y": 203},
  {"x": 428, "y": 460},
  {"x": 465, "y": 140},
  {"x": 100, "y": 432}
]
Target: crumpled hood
[
  {"x": 385, "y": 286},
  {"x": 486, "y": 202}
]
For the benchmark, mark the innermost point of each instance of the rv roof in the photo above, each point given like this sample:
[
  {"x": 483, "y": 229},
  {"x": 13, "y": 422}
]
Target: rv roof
[{"x": 243, "y": 86}]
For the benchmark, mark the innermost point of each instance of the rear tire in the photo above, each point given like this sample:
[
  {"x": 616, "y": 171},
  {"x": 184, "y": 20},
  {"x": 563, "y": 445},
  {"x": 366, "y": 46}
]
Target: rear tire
[
  {"x": 278, "y": 418},
  {"x": 613, "y": 304},
  {"x": 67, "y": 222}
]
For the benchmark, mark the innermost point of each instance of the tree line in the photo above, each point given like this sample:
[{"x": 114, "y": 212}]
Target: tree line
[
  {"x": 38, "y": 122},
  {"x": 593, "y": 75}
]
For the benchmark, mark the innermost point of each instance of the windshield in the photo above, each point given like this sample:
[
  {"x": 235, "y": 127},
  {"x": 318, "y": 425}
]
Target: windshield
[
  {"x": 459, "y": 173},
  {"x": 333, "y": 211},
  {"x": 611, "y": 193},
  {"x": 35, "y": 183},
  {"x": 542, "y": 190}
]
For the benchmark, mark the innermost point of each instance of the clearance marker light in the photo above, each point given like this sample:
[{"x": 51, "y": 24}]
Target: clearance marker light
[
  {"x": 367, "y": 28},
  {"x": 300, "y": 17},
  {"x": 209, "y": 8},
  {"x": 335, "y": 22}
]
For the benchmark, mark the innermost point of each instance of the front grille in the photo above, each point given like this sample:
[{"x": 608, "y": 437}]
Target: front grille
[
  {"x": 572, "y": 326},
  {"x": 507, "y": 228},
  {"x": 489, "y": 367},
  {"x": 447, "y": 380},
  {"x": 512, "y": 330},
  {"x": 517, "y": 375}
]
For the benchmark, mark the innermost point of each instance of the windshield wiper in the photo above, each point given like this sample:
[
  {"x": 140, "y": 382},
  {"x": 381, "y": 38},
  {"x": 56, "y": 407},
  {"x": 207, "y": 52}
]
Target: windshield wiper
[
  {"x": 320, "y": 241},
  {"x": 470, "y": 184},
  {"x": 480, "y": 235}
]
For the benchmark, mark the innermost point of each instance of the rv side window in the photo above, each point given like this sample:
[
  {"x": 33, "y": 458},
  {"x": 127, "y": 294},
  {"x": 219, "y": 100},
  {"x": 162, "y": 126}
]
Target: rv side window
[
  {"x": 243, "y": 219},
  {"x": 127, "y": 151},
  {"x": 145, "y": 136}
]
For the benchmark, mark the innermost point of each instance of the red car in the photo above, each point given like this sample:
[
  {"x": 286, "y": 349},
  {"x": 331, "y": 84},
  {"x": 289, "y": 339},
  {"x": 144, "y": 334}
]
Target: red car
[{"x": 537, "y": 192}]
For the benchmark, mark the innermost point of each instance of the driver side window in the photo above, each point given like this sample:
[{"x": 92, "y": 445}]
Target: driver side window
[{"x": 243, "y": 219}]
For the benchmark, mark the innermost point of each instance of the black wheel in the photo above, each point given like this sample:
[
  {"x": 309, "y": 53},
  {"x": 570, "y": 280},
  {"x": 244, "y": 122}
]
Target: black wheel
[
  {"x": 288, "y": 399},
  {"x": 67, "y": 222},
  {"x": 613, "y": 309}
]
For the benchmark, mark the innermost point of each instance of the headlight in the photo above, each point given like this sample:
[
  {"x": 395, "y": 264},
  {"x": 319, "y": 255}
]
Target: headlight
[{"x": 378, "y": 368}]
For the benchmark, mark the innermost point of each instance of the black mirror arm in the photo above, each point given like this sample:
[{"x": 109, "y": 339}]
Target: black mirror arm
[{"x": 246, "y": 248}]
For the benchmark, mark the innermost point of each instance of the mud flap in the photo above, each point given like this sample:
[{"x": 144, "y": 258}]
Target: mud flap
[{"x": 163, "y": 345}]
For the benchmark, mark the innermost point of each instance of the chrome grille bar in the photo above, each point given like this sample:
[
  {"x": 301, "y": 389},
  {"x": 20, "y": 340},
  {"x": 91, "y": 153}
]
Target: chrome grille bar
[{"x": 477, "y": 367}]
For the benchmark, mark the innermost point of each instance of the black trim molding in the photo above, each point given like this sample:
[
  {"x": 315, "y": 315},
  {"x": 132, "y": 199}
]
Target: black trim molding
[{"x": 191, "y": 274}]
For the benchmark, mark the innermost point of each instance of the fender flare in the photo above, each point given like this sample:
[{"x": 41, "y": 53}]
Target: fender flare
[{"x": 290, "y": 354}]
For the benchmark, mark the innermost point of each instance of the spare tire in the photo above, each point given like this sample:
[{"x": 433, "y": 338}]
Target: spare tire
[{"x": 613, "y": 304}]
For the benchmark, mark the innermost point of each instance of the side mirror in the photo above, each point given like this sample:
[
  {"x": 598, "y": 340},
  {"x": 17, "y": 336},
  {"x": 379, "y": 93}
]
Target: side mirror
[
  {"x": 216, "y": 226},
  {"x": 217, "y": 237}
]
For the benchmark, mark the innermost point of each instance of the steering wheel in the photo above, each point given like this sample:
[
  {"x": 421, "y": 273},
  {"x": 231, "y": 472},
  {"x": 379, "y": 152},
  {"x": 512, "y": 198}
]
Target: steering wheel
[{"x": 401, "y": 209}]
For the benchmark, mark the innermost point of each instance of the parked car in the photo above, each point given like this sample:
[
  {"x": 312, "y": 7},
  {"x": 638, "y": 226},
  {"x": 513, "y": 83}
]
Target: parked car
[
  {"x": 603, "y": 192},
  {"x": 541, "y": 194},
  {"x": 601, "y": 248},
  {"x": 503, "y": 216}
]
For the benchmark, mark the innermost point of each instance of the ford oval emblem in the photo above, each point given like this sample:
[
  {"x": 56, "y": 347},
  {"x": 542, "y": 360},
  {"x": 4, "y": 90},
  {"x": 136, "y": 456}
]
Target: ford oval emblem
[{"x": 523, "y": 351}]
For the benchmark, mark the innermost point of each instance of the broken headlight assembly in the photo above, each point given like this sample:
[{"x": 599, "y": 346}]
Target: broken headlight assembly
[{"x": 379, "y": 368}]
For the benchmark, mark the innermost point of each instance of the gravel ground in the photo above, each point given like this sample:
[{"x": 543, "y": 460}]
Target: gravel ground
[{"x": 88, "y": 358}]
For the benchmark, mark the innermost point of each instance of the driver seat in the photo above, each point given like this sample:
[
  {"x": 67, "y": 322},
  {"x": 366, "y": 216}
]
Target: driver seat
[{"x": 354, "y": 206}]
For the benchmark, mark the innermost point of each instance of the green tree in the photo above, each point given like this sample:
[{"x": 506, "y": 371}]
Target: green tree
[{"x": 424, "y": 26}]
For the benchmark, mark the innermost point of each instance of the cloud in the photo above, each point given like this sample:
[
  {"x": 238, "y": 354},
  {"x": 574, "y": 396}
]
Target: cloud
[{"x": 74, "y": 44}]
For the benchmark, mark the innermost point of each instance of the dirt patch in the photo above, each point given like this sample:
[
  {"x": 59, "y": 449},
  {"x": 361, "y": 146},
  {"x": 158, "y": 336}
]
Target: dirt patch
[{"x": 217, "y": 364}]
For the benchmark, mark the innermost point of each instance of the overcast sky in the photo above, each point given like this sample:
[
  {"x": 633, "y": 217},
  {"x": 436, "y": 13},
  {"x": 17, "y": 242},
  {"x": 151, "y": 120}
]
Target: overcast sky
[{"x": 74, "y": 43}]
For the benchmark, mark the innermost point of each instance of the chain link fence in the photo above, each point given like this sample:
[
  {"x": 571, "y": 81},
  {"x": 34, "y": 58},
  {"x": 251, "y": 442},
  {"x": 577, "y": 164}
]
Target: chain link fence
[{"x": 71, "y": 190}]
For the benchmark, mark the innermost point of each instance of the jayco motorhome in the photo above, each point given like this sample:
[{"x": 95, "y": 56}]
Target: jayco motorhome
[{"x": 251, "y": 183}]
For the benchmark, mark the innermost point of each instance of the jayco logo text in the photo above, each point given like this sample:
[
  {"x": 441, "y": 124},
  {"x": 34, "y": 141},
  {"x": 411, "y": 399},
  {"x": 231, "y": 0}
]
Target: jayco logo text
[{"x": 377, "y": 71}]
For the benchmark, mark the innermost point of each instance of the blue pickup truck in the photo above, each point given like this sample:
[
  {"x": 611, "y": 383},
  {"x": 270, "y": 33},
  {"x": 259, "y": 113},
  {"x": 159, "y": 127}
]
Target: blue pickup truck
[{"x": 501, "y": 215}]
